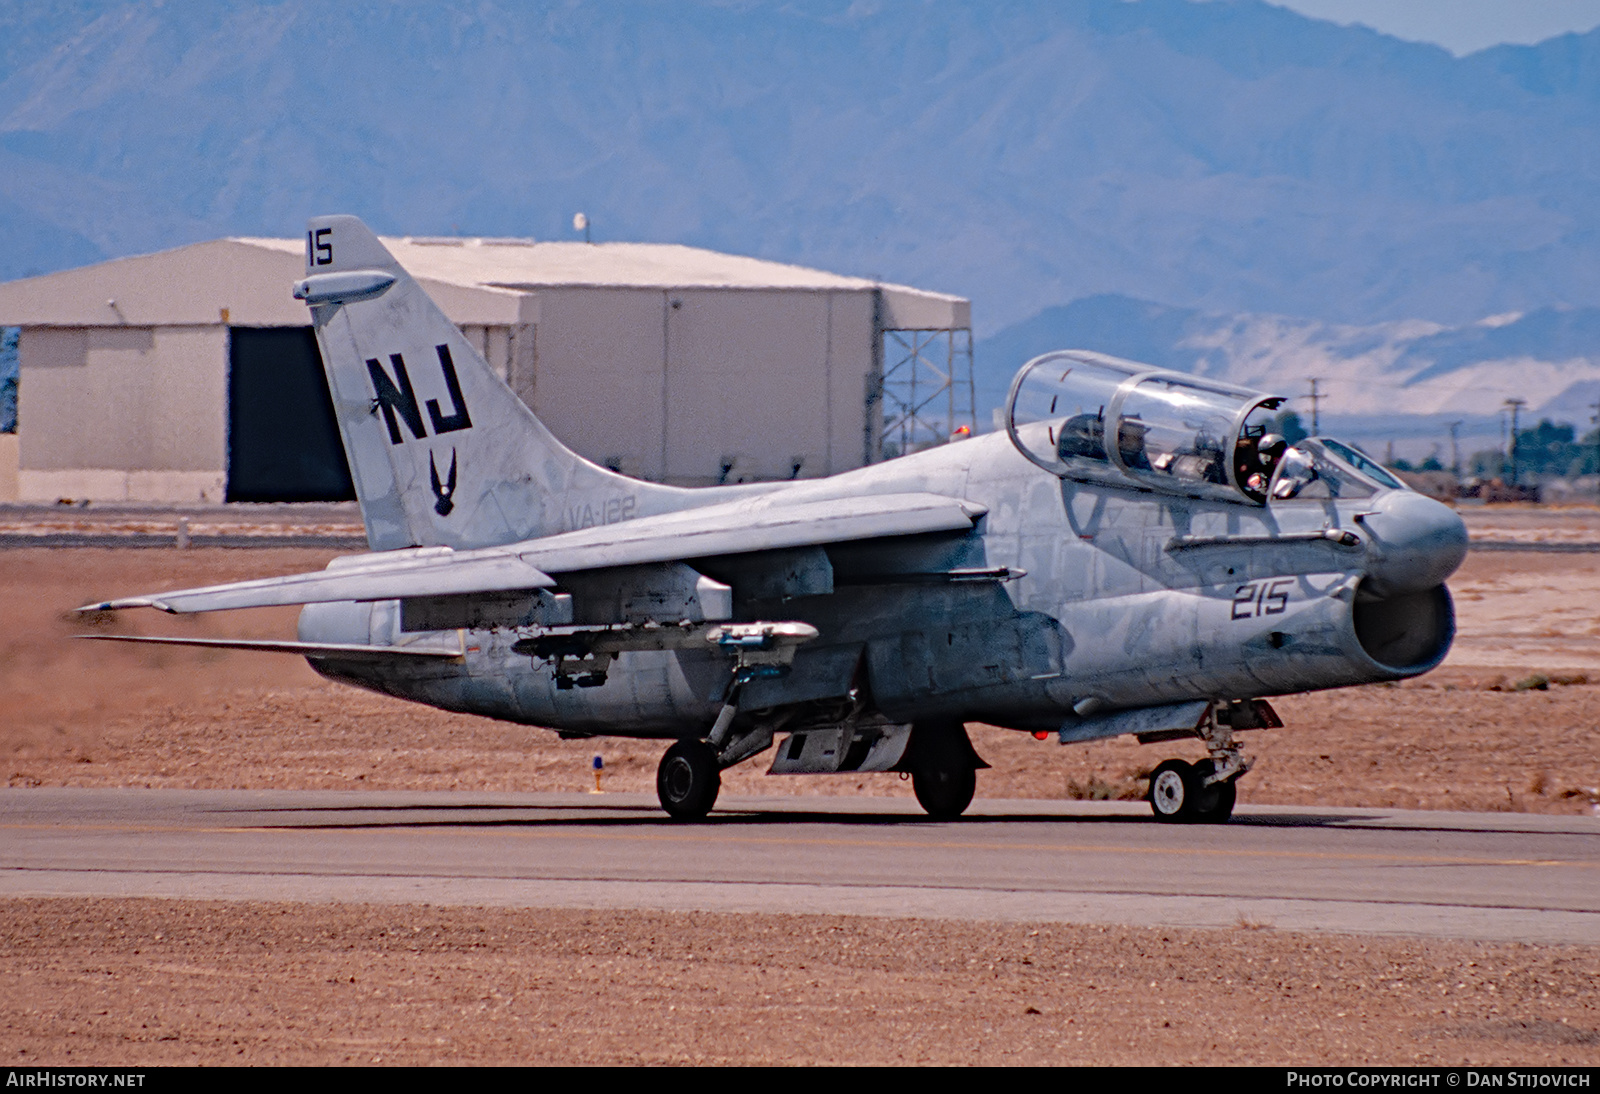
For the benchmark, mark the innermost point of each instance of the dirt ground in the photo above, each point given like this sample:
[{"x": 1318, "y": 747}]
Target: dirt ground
[
  {"x": 133, "y": 982},
  {"x": 1509, "y": 723}
]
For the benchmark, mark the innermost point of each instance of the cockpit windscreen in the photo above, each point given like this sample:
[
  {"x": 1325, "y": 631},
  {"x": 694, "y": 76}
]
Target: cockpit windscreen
[{"x": 1321, "y": 467}]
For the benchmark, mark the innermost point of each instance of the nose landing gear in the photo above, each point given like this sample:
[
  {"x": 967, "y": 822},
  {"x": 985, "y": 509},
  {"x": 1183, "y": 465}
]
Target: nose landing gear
[
  {"x": 1205, "y": 792},
  {"x": 1179, "y": 794}
]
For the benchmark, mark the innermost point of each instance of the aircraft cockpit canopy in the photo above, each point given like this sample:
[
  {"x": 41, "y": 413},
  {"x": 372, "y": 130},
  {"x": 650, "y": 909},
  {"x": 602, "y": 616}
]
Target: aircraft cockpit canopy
[{"x": 1087, "y": 416}]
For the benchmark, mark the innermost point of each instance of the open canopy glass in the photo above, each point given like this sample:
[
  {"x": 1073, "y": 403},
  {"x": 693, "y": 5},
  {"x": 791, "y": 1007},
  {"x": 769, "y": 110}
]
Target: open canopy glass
[{"x": 1087, "y": 416}]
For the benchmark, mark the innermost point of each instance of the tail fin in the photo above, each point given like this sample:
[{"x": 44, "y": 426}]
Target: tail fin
[{"x": 441, "y": 450}]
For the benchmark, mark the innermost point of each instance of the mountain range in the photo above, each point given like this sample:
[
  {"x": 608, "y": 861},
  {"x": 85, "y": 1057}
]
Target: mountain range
[{"x": 1228, "y": 158}]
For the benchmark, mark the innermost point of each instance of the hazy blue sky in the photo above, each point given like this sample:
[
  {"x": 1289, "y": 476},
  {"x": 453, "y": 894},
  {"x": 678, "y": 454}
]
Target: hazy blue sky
[{"x": 1461, "y": 26}]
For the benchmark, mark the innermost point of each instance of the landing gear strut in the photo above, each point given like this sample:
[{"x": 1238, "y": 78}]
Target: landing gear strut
[
  {"x": 688, "y": 780},
  {"x": 691, "y": 772}
]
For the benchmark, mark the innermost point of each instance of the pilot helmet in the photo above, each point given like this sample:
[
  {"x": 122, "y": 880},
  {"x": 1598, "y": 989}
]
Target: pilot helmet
[{"x": 1270, "y": 448}]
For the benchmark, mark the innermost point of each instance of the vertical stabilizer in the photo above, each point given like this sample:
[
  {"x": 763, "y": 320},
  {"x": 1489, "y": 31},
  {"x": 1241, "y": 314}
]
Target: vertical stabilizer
[{"x": 442, "y": 451}]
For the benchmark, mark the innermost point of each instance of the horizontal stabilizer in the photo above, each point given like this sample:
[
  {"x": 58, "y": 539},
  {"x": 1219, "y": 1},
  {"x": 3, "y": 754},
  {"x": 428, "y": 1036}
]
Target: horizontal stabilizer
[
  {"x": 440, "y": 572},
  {"x": 338, "y": 651}
]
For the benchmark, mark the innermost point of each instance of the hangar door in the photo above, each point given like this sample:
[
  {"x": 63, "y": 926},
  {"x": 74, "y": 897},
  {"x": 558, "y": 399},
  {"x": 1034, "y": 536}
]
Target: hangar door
[{"x": 283, "y": 440}]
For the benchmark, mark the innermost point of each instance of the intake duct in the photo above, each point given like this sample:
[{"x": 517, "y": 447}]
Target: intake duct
[{"x": 1408, "y": 633}]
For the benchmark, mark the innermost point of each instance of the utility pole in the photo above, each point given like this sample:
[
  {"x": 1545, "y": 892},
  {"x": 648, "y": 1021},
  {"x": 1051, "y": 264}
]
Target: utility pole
[
  {"x": 1596, "y": 420},
  {"x": 1516, "y": 406},
  {"x": 1316, "y": 422},
  {"x": 1455, "y": 448}
]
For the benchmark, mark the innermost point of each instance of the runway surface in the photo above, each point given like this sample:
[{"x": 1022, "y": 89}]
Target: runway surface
[{"x": 1491, "y": 876}]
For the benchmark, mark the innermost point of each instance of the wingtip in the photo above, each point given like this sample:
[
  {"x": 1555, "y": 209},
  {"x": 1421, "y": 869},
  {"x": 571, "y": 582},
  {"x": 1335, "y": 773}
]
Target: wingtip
[{"x": 126, "y": 602}]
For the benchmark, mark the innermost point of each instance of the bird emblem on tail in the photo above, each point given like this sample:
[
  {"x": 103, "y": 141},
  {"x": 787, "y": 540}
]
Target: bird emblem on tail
[{"x": 444, "y": 491}]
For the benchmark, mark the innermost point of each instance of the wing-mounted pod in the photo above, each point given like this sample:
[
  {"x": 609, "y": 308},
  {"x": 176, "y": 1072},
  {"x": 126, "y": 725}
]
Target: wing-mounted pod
[{"x": 1087, "y": 416}]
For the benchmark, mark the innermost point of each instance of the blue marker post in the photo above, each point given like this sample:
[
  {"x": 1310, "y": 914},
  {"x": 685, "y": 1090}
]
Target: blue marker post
[{"x": 599, "y": 764}]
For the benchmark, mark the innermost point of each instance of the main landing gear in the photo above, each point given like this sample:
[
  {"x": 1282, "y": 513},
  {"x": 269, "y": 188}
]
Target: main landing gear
[
  {"x": 944, "y": 768},
  {"x": 939, "y": 757},
  {"x": 690, "y": 774}
]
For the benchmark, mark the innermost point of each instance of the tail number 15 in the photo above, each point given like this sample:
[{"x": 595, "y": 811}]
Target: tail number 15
[{"x": 1262, "y": 598}]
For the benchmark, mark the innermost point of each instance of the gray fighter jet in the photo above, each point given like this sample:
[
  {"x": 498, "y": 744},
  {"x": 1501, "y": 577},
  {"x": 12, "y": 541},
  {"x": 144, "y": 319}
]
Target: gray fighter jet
[{"x": 1136, "y": 553}]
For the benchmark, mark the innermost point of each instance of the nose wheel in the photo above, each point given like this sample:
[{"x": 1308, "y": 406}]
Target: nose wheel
[{"x": 1179, "y": 794}]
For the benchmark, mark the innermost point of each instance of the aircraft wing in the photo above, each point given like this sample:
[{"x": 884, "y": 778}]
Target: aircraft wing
[
  {"x": 763, "y": 523},
  {"x": 343, "y": 651},
  {"x": 740, "y": 527},
  {"x": 437, "y": 572}
]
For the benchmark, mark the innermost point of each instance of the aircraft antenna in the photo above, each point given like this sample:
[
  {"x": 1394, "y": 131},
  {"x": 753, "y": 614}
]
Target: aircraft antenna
[{"x": 1316, "y": 400}]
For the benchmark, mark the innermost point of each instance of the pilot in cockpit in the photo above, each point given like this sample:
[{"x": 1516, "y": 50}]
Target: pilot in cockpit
[
  {"x": 1130, "y": 444},
  {"x": 1082, "y": 435},
  {"x": 1257, "y": 458}
]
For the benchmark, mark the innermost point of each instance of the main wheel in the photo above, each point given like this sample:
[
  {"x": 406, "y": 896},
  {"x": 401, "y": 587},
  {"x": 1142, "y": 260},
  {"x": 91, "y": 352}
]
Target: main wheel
[
  {"x": 688, "y": 780},
  {"x": 944, "y": 769},
  {"x": 1212, "y": 804},
  {"x": 944, "y": 792},
  {"x": 1172, "y": 791}
]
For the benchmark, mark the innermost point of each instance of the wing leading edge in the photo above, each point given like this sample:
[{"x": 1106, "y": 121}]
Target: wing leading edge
[
  {"x": 343, "y": 651},
  {"x": 439, "y": 573},
  {"x": 741, "y": 527}
]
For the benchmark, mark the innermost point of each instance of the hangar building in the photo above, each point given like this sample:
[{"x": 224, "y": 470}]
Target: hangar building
[{"x": 191, "y": 375}]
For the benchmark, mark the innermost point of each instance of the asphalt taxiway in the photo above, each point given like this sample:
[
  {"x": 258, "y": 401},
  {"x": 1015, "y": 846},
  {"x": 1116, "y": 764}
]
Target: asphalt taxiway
[{"x": 1489, "y": 876}]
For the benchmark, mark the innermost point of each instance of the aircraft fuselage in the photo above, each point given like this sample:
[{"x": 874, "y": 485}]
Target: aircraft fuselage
[{"x": 1108, "y": 598}]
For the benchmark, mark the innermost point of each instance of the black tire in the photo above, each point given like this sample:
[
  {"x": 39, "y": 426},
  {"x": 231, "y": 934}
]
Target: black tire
[
  {"x": 944, "y": 769},
  {"x": 944, "y": 792},
  {"x": 688, "y": 780},
  {"x": 1172, "y": 792},
  {"x": 1212, "y": 804}
]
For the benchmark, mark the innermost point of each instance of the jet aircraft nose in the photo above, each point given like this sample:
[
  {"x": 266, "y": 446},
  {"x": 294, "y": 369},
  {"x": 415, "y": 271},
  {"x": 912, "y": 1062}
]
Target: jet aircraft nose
[{"x": 1413, "y": 543}]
